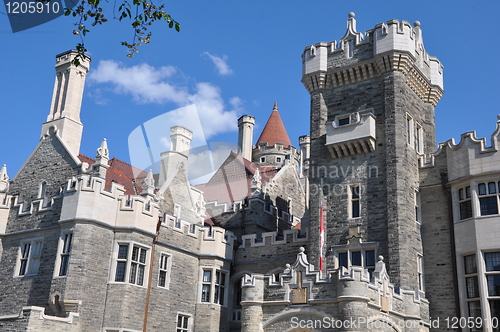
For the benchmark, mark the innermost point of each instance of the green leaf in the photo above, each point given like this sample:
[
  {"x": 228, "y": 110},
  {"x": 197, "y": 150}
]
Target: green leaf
[
  {"x": 177, "y": 27},
  {"x": 171, "y": 24}
]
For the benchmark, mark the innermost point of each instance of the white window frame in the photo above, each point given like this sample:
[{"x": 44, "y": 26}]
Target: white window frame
[
  {"x": 262, "y": 159},
  {"x": 29, "y": 254},
  {"x": 419, "y": 137},
  {"x": 278, "y": 159},
  {"x": 129, "y": 262},
  {"x": 420, "y": 272},
  {"x": 410, "y": 128},
  {"x": 213, "y": 286},
  {"x": 181, "y": 328},
  {"x": 63, "y": 250},
  {"x": 165, "y": 266},
  {"x": 418, "y": 210}
]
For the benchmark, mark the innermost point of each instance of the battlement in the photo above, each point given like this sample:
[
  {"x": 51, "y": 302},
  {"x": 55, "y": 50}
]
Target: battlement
[
  {"x": 300, "y": 284},
  {"x": 470, "y": 156},
  {"x": 390, "y": 46},
  {"x": 213, "y": 241},
  {"x": 271, "y": 238},
  {"x": 85, "y": 198}
]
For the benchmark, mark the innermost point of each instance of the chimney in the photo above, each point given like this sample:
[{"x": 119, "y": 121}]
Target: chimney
[
  {"x": 177, "y": 157},
  {"x": 67, "y": 100},
  {"x": 245, "y": 136}
]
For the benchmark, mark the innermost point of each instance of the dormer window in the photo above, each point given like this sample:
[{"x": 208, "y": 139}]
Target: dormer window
[
  {"x": 262, "y": 159},
  {"x": 278, "y": 159}
]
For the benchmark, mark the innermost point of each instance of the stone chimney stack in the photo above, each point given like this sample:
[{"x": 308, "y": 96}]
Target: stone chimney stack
[
  {"x": 67, "y": 100},
  {"x": 177, "y": 157},
  {"x": 180, "y": 138},
  {"x": 245, "y": 136}
]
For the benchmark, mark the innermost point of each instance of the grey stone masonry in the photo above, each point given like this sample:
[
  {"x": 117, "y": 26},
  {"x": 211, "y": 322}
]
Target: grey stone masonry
[{"x": 373, "y": 184}]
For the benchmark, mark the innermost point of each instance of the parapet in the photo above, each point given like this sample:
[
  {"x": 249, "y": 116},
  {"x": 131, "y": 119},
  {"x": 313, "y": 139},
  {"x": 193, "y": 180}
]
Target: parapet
[{"x": 390, "y": 46}]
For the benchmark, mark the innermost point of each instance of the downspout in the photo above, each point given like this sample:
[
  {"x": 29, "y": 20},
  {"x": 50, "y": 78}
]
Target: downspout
[
  {"x": 150, "y": 277},
  {"x": 446, "y": 189}
]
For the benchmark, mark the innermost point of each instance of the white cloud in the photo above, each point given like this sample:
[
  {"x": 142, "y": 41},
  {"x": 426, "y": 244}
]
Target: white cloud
[
  {"x": 220, "y": 63},
  {"x": 147, "y": 84}
]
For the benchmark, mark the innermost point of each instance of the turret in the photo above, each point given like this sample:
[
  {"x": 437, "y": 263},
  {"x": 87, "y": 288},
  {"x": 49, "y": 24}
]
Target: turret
[
  {"x": 245, "y": 136},
  {"x": 67, "y": 99},
  {"x": 178, "y": 155}
]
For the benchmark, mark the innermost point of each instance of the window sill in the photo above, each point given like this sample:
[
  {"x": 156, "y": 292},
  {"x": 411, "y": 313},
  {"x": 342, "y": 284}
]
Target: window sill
[{"x": 126, "y": 284}]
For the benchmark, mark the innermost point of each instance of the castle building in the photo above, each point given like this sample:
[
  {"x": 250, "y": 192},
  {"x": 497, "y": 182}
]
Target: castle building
[{"x": 365, "y": 227}]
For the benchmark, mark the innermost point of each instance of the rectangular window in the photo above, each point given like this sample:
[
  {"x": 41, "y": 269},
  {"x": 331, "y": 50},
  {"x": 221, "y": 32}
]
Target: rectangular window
[
  {"x": 131, "y": 264},
  {"x": 420, "y": 272},
  {"x": 488, "y": 200},
  {"x": 182, "y": 323},
  {"x": 355, "y": 205},
  {"x": 419, "y": 146},
  {"x": 29, "y": 257},
  {"x": 474, "y": 311},
  {"x": 65, "y": 253},
  {"x": 356, "y": 258},
  {"x": 417, "y": 207},
  {"x": 465, "y": 203},
  {"x": 344, "y": 121},
  {"x": 495, "y": 312},
  {"x": 206, "y": 286},
  {"x": 220, "y": 287},
  {"x": 163, "y": 275},
  {"x": 409, "y": 130},
  {"x": 492, "y": 262},
  {"x": 343, "y": 259}
]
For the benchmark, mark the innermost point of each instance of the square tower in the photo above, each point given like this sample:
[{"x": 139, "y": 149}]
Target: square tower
[{"x": 372, "y": 117}]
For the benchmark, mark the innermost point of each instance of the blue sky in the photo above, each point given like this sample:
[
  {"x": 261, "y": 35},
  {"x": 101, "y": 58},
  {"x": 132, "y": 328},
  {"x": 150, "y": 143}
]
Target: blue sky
[{"x": 233, "y": 58}]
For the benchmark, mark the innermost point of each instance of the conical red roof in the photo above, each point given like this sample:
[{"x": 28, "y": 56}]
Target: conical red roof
[{"x": 274, "y": 131}]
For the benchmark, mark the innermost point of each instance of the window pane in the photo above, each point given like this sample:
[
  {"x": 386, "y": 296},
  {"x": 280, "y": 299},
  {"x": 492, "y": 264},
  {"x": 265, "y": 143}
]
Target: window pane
[
  {"x": 133, "y": 273},
  {"x": 185, "y": 322},
  {"x": 355, "y": 209},
  {"x": 120, "y": 271},
  {"x": 492, "y": 188},
  {"x": 216, "y": 294},
  {"x": 123, "y": 251},
  {"x": 140, "y": 276},
  {"x": 343, "y": 122},
  {"x": 142, "y": 259},
  {"x": 370, "y": 258},
  {"x": 135, "y": 253},
  {"x": 461, "y": 194},
  {"x": 492, "y": 260},
  {"x": 472, "y": 287},
  {"x": 22, "y": 269},
  {"x": 179, "y": 321},
  {"x": 221, "y": 299},
  {"x": 470, "y": 264},
  {"x": 67, "y": 243},
  {"x": 481, "y": 188},
  {"x": 467, "y": 192},
  {"x": 465, "y": 210},
  {"x": 205, "y": 293},
  {"x": 207, "y": 276},
  {"x": 343, "y": 259},
  {"x": 495, "y": 311},
  {"x": 64, "y": 265},
  {"x": 493, "y": 285},
  {"x": 474, "y": 309},
  {"x": 162, "y": 279},
  {"x": 356, "y": 258},
  {"x": 355, "y": 192},
  {"x": 223, "y": 279},
  {"x": 488, "y": 205}
]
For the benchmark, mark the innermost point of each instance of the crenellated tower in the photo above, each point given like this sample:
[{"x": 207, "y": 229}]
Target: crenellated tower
[{"x": 372, "y": 118}]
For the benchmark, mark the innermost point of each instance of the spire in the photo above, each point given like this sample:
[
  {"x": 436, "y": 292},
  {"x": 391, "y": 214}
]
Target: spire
[{"x": 274, "y": 131}]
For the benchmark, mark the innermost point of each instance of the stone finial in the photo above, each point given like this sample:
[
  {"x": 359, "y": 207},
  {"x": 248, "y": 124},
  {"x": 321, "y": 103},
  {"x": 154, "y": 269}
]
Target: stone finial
[
  {"x": 102, "y": 151},
  {"x": 351, "y": 15},
  {"x": 4, "y": 179},
  {"x": 148, "y": 185},
  {"x": 101, "y": 160},
  {"x": 416, "y": 24},
  {"x": 275, "y": 108},
  {"x": 498, "y": 116}
]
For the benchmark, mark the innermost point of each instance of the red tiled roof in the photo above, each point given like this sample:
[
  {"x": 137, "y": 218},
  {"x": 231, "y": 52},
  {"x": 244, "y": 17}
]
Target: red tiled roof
[
  {"x": 231, "y": 182},
  {"x": 274, "y": 131},
  {"x": 122, "y": 173}
]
